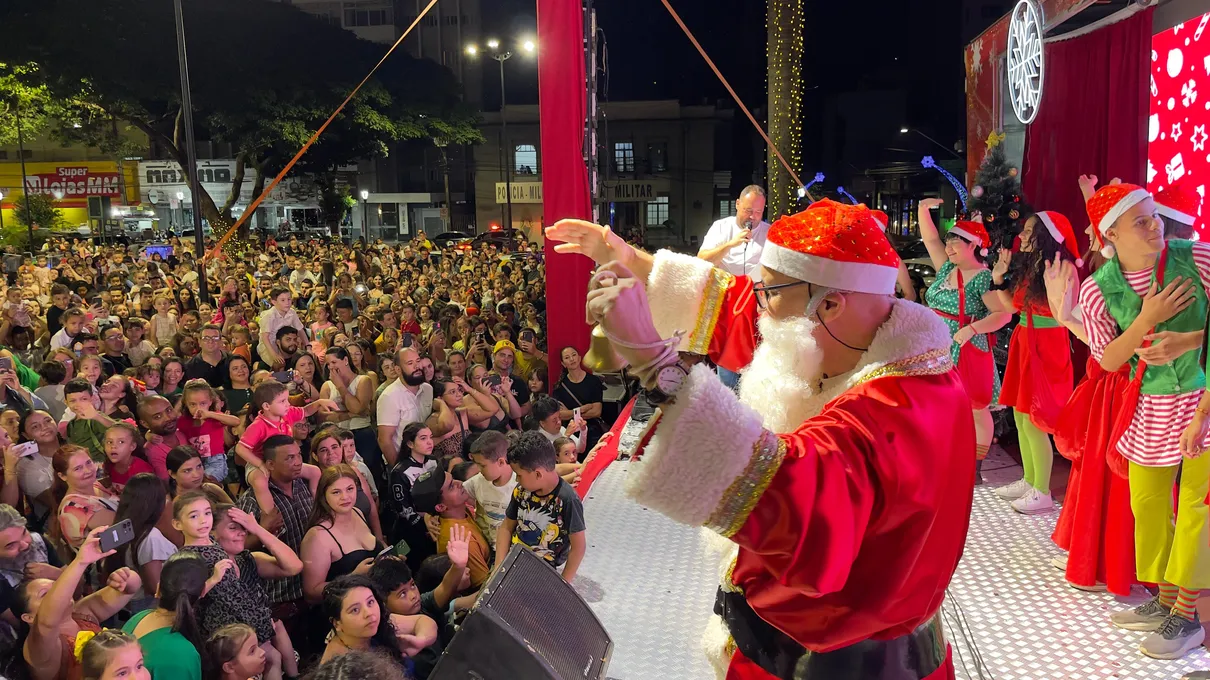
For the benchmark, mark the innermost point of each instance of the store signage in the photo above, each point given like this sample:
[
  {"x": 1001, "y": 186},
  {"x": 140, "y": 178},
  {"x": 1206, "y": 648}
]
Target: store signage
[
  {"x": 635, "y": 190},
  {"x": 72, "y": 181},
  {"x": 1026, "y": 60},
  {"x": 522, "y": 192},
  {"x": 170, "y": 172}
]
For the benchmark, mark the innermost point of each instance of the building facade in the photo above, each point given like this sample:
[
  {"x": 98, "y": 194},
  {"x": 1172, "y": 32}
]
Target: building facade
[{"x": 662, "y": 166}]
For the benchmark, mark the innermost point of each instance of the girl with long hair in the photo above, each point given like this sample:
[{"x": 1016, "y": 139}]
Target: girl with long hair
[
  {"x": 353, "y": 394},
  {"x": 237, "y": 394},
  {"x": 144, "y": 503},
  {"x": 363, "y": 360},
  {"x": 451, "y": 415},
  {"x": 328, "y": 451},
  {"x": 960, "y": 295},
  {"x": 361, "y": 622},
  {"x": 174, "y": 378},
  {"x": 1038, "y": 377},
  {"x": 338, "y": 539},
  {"x": 186, "y": 472},
  {"x": 51, "y": 621},
  {"x": 208, "y": 430},
  {"x": 36, "y": 484},
  {"x": 91, "y": 369},
  {"x": 479, "y": 387},
  {"x": 579, "y": 389},
  {"x": 170, "y": 635},
  {"x": 82, "y": 503}
]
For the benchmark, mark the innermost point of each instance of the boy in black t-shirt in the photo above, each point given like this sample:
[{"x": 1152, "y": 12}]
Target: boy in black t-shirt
[{"x": 545, "y": 514}]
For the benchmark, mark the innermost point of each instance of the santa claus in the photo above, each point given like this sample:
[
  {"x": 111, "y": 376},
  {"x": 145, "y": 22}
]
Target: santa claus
[{"x": 842, "y": 473}]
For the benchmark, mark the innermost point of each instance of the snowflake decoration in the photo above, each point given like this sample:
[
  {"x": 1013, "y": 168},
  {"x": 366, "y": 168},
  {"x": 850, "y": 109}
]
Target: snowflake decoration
[
  {"x": 977, "y": 57},
  {"x": 1199, "y": 137},
  {"x": 1189, "y": 92},
  {"x": 1176, "y": 132},
  {"x": 1025, "y": 60}
]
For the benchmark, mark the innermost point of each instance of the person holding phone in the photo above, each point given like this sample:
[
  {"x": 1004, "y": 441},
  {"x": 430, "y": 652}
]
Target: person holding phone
[
  {"x": 531, "y": 357},
  {"x": 580, "y": 390}
]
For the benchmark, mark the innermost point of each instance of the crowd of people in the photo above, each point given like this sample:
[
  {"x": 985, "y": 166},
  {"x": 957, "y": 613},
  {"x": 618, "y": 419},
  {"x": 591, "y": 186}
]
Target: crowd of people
[{"x": 313, "y": 468}]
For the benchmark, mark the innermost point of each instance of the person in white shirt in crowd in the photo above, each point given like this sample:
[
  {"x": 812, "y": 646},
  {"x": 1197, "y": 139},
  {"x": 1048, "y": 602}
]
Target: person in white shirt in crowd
[
  {"x": 408, "y": 400},
  {"x": 279, "y": 315}
]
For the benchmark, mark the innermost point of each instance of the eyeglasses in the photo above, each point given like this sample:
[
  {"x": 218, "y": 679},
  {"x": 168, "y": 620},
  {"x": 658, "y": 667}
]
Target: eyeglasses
[
  {"x": 762, "y": 291},
  {"x": 210, "y": 338}
]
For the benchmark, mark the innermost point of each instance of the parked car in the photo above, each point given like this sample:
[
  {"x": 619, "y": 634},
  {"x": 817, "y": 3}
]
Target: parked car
[{"x": 452, "y": 238}]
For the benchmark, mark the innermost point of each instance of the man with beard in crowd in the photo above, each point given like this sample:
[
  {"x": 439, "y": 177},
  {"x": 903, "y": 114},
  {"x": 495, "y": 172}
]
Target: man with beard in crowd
[
  {"x": 158, "y": 418},
  {"x": 286, "y": 348},
  {"x": 407, "y": 400},
  {"x": 847, "y": 504}
]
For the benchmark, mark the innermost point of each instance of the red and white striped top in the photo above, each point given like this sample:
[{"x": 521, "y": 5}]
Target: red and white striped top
[{"x": 1153, "y": 438}]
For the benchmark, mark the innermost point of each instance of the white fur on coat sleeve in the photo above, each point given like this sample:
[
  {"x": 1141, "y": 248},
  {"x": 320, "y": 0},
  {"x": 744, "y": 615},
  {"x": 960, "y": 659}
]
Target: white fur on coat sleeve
[
  {"x": 702, "y": 444},
  {"x": 675, "y": 290}
]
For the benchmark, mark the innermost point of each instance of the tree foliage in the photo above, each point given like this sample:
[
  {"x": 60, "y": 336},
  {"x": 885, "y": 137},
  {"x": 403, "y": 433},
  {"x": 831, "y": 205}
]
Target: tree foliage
[
  {"x": 45, "y": 215},
  {"x": 264, "y": 77}
]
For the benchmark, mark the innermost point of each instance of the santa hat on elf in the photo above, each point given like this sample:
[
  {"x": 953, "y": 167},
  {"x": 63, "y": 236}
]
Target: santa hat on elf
[
  {"x": 1108, "y": 204},
  {"x": 1179, "y": 203},
  {"x": 1061, "y": 231},
  {"x": 972, "y": 232},
  {"x": 834, "y": 245},
  {"x": 881, "y": 219}
]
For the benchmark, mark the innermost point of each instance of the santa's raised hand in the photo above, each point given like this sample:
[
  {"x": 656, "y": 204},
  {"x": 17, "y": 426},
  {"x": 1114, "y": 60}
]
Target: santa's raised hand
[
  {"x": 592, "y": 240},
  {"x": 617, "y": 300}
]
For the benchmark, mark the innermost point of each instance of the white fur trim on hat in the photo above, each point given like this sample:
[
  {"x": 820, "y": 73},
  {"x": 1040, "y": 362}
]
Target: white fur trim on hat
[
  {"x": 880, "y": 223},
  {"x": 1182, "y": 217},
  {"x": 1125, "y": 203},
  {"x": 856, "y": 277},
  {"x": 959, "y": 231},
  {"x": 1050, "y": 226}
]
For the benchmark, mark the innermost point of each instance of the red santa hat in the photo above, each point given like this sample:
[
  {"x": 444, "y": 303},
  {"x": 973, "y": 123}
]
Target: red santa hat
[
  {"x": 1061, "y": 231},
  {"x": 1179, "y": 203},
  {"x": 972, "y": 232},
  {"x": 881, "y": 218},
  {"x": 1108, "y": 204},
  {"x": 834, "y": 245}
]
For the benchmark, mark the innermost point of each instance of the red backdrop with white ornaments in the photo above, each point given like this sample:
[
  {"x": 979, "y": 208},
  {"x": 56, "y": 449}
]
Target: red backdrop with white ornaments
[{"x": 1179, "y": 126}]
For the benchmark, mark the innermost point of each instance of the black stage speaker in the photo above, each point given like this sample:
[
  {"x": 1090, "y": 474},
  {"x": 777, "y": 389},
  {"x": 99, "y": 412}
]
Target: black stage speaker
[{"x": 528, "y": 624}]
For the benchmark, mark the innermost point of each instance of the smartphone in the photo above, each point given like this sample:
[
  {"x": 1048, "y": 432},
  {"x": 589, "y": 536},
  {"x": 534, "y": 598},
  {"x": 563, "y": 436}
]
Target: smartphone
[
  {"x": 117, "y": 535},
  {"x": 6, "y": 363},
  {"x": 25, "y": 449},
  {"x": 95, "y": 301},
  {"x": 284, "y": 376},
  {"x": 407, "y": 340},
  {"x": 493, "y": 379},
  {"x": 526, "y": 335},
  {"x": 575, "y": 413}
]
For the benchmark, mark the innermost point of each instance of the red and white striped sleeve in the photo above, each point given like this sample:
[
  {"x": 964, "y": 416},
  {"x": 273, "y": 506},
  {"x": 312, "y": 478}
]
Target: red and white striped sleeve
[
  {"x": 1201, "y": 258},
  {"x": 1098, "y": 324}
]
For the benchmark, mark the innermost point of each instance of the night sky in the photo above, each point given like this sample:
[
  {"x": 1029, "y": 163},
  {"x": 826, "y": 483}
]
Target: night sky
[{"x": 852, "y": 46}]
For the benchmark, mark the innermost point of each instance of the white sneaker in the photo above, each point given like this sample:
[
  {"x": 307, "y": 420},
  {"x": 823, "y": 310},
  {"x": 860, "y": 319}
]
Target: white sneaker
[
  {"x": 1033, "y": 503},
  {"x": 1059, "y": 563},
  {"x": 1014, "y": 491}
]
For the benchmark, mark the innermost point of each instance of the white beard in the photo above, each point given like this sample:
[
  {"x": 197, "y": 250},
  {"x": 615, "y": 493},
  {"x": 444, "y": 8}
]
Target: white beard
[{"x": 782, "y": 382}]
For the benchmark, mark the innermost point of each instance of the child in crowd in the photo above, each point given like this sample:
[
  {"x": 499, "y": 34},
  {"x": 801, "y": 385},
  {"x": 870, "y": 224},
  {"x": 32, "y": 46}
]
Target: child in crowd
[
  {"x": 566, "y": 454},
  {"x": 163, "y": 325},
  {"x": 436, "y": 492},
  {"x": 271, "y": 401},
  {"x": 87, "y": 428},
  {"x": 207, "y": 431},
  {"x": 545, "y": 514},
  {"x": 138, "y": 348},
  {"x": 235, "y": 653},
  {"x": 492, "y": 489},
  {"x": 109, "y": 654},
  {"x": 235, "y": 592},
  {"x": 123, "y": 455},
  {"x": 241, "y": 342},
  {"x": 16, "y": 312}
]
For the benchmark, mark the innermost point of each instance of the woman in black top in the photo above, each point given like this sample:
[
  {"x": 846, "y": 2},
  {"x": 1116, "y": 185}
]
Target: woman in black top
[
  {"x": 580, "y": 389},
  {"x": 338, "y": 540}
]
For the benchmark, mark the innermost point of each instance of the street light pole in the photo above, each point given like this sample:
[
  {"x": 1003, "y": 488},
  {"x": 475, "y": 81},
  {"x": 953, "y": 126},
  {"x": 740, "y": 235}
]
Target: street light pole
[
  {"x": 29, "y": 212},
  {"x": 905, "y": 130},
  {"x": 365, "y": 216},
  {"x": 199, "y": 238},
  {"x": 508, "y": 167}
]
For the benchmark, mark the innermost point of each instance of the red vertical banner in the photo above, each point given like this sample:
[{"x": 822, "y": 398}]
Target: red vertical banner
[{"x": 562, "y": 88}]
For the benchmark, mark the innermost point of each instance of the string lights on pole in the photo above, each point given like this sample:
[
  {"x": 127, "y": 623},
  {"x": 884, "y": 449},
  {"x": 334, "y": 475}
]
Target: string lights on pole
[{"x": 784, "y": 25}]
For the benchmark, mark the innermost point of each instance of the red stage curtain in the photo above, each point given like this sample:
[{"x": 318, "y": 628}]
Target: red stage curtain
[
  {"x": 562, "y": 91},
  {"x": 1093, "y": 118}
]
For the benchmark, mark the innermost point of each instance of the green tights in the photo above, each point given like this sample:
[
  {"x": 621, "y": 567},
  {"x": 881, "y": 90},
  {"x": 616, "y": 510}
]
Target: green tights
[{"x": 1036, "y": 453}]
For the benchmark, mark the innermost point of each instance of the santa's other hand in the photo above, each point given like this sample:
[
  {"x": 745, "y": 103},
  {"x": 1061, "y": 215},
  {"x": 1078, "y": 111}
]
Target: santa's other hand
[{"x": 617, "y": 301}]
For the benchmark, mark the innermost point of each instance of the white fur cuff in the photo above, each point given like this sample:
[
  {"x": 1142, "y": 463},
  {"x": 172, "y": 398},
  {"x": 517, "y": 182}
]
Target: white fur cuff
[
  {"x": 703, "y": 444},
  {"x": 677, "y": 290}
]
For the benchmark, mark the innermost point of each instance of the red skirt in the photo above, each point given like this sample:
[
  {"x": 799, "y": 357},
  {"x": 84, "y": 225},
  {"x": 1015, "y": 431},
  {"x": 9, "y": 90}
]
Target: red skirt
[
  {"x": 1038, "y": 377},
  {"x": 1096, "y": 526}
]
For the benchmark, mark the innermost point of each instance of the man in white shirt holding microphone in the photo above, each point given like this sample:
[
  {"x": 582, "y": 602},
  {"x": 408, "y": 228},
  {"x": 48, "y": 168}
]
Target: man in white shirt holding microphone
[{"x": 733, "y": 244}]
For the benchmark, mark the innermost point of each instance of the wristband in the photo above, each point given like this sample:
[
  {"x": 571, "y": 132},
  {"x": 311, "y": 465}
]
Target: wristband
[{"x": 1202, "y": 411}]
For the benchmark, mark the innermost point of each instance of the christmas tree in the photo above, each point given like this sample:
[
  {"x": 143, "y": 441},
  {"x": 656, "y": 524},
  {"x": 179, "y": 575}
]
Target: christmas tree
[{"x": 996, "y": 194}]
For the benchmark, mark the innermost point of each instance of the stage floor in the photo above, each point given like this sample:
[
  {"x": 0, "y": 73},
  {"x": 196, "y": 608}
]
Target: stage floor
[{"x": 652, "y": 581}]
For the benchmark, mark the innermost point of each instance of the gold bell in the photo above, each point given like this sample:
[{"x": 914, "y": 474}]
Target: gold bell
[{"x": 601, "y": 356}]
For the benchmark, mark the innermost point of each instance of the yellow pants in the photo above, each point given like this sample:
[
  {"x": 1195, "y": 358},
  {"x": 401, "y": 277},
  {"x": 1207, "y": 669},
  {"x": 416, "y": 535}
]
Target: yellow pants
[{"x": 1165, "y": 552}]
